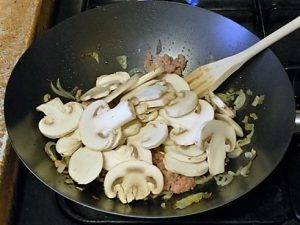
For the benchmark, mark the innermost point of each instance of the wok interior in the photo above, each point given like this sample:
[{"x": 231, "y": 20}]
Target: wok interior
[{"x": 117, "y": 29}]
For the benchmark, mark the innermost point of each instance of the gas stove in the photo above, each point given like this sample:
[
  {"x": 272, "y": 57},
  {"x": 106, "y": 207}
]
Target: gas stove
[{"x": 275, "y": 201}]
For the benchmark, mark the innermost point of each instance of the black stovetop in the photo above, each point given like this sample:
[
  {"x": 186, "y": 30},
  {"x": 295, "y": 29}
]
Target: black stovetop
[{"x": 275, "y": 201}]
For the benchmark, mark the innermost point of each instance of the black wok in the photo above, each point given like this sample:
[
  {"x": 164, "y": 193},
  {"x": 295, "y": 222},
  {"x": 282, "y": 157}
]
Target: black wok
[{"x": 132, "y": 28}]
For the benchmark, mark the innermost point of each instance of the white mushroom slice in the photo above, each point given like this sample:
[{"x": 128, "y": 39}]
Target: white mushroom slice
[
  {"x": 187, "y": 129},
  {"x": 220, "y": 105},
  {"x": 186, "y": 154},
  {"x": 68, "y": 144},
  {"x": 149, "y": 76},
  {"x": 185, "y": 103},
  {"x": 112, "y": 80},
  {"x": 150, "y": 136},
  {"x": 128, "y": 176},
  {"x": 95, "y": 93},
  {"x": 89, "y": 136},
  {"x": 118, "y": 138},
  {"x": 177, "y": 82},
  {"x": 85, "y": 165},
  {"x": 217, "y": 133},
  {"x": 131, "y": 128},
  {"x": 122, "y": 88},
  {"x": 150, "y": 93},
  {"x": 164, "y": 100},
  {"x": 121, "y": 154},
  {"x": 238, "y": 130},
  {"x": 185, "y": 168},
  {"x": 114, "y": 118},
  {"x": 130, "y": 94},
  {"x": 60, "y": 119},
  {"x": 147, "y": 117},
  {"x": 176, "y": 153},
  {"x": 153, "y": 134},
  {"x": 135, "y": 186},
  {"x": 98, "y": 124}
]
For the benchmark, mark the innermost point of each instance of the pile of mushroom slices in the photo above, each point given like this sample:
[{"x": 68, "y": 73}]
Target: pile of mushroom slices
[{"x": 151, "y": 111}]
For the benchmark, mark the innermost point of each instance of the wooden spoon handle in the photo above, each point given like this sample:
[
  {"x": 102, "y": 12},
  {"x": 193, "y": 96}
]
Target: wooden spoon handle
[{"x": 270, "y": 39}]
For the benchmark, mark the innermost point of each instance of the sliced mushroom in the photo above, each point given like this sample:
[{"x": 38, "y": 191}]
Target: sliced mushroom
[
  {"x": 187, "y": 129},
  {"x": 150, "y": 93},
  {"x": 121, "y": 154},
  {"x": 185, "y": 168},
  {"x": 131, "y": 128},
  {"x": 95, "y": 93},
  {"x": 221, "y": 139},
  {"x": 220, "y": 105},
  {"x": 112, "y": 80},
  {"x": 130, "y": 94},
  {"x": 133, "y": 180},
  {"x": 98, "y": 123},
  {"x": 68, "y": 144},
  {"x": 148, "y": 116},
  {"x": 179, "y": 153},
  {"x": 177, "y": 82},
  {"x": 85, "y": 165},
  {"x": 149, "y": 76},
  {"x": 150, "y": 136},
  {"x": 122, "y": 88},
  {"x": 163, "y": 101},
  {"x": 238, "y": 130},
  {"x": 60, "y": 119},
  {"x": 185, "y": 103}
]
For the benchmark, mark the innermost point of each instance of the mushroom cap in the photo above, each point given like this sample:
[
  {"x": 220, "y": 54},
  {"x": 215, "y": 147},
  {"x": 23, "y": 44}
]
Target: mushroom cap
[
  {"x": 95, "y": 93},
  {"x": 89, "y": 136},
  {"x": 178, "y": 153},
  {"x": 111, "y": 79},
  {"x": 149, "y": 171},
  {"x": 238, "y": 130},
  {"x": 221, "y": 128},
  {"x": 220, "y": 105},
  {"x": 185, "y": 168},
  {"x": 185, "y": 103},
  {"x": 150, "y": 92},
  {"x": 114, "y": 157},
  {"x": 153, "y": 134},
  {"x": 131, "y": 128},
  {"x": 85, "y": 165},
  {"x": 60, "y": 119},
  {"x": 187, "y": 129},
  {"x": 68, "y": 144},
  {"x": 177, "y": 82}
]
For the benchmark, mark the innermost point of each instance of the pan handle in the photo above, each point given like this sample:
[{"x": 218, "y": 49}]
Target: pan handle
[{"x": 297, "y": 122}]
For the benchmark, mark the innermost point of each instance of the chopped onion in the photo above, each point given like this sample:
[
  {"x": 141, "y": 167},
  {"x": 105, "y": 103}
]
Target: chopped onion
[
  {"x": 245, "y": 120},
  {"x": 60, "y": 91},
  {"x": 93, "y": 55},
  {"x": 194, "y": 198},
  {"x": 46, "y": 98},
  {"x": 251, "y": 154},
  {"x": 253, "y": 116},
  {"x": 235, "y": 153},
  {"x": 69, "y": 181},
  {"x": 50, "y": 151},
  {"x": 240, "y": 100},
  {"x": 163, "y": 205},
  {"x": 203, "y": 179},
  {"x": 223, "y": 179},
  {"x": 258, "y": 100},
  {"x": 167, "y": 195},
  {"x": 249, "y": 92},
  {"x": 122, "y": 60},
  {"x": 226, "y": 97}
]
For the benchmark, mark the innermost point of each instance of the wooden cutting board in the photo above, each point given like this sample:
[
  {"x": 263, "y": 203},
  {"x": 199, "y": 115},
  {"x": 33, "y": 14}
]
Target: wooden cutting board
[{"x": 20, "y": 22}]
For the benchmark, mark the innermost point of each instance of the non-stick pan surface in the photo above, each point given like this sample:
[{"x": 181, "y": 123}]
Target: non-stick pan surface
[{"x": 132, "y": 29}]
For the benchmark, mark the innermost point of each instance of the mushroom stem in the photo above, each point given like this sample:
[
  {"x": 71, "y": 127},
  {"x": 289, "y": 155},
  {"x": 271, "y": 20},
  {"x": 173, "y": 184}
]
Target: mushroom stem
[
  {"x": 114, "y": 118},
  {"x": 216, "y": 154}
]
